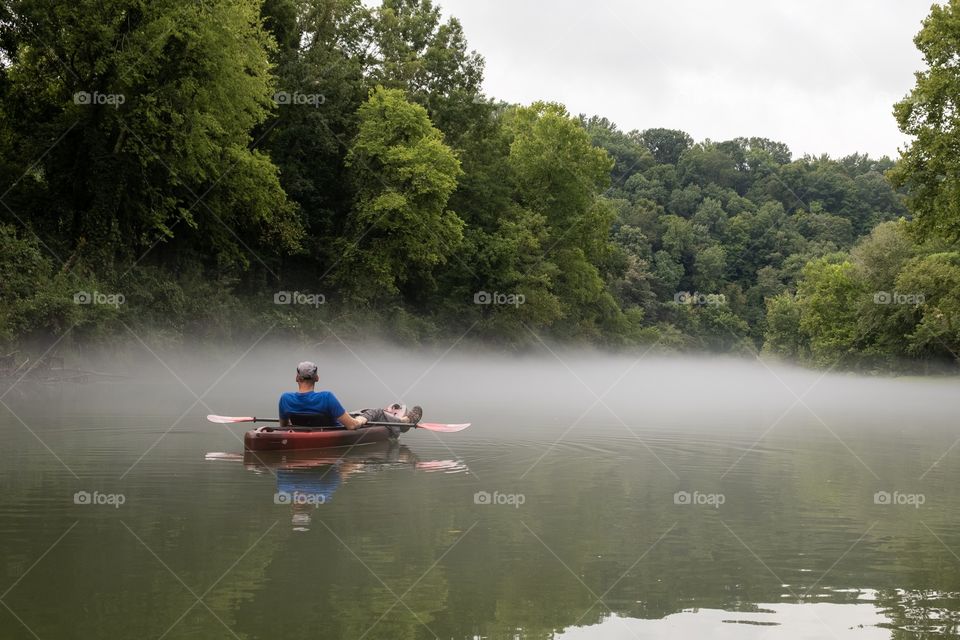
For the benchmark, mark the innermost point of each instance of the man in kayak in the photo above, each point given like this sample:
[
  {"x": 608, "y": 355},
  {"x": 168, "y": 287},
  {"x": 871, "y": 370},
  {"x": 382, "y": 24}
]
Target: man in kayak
[{"x": 322, "y": 409}]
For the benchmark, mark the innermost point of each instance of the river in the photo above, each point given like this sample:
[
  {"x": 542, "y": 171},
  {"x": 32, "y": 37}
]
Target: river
[{"x": 594, "y": 496}]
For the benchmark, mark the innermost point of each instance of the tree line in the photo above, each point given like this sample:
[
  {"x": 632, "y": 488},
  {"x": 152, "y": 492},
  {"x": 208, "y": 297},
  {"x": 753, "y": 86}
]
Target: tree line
[{"x": 220, "y": 167}]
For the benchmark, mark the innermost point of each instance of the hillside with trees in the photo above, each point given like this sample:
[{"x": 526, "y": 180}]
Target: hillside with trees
[{"x": 304, "y": 166}]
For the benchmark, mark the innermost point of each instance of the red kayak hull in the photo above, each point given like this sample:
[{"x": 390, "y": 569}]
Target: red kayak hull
[{"x": 285, "y": 440}]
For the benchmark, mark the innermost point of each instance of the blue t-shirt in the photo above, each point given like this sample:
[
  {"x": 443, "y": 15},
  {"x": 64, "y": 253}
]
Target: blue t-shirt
[{"x": 311, "y": 402}]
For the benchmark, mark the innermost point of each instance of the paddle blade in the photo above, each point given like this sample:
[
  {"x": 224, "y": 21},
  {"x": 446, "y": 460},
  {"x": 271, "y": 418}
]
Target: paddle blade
[
  {"x": 443, "y": 428},
  {"x": 229, "y": 419}
]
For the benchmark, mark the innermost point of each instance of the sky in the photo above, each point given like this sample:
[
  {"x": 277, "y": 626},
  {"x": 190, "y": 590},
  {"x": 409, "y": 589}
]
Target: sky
[{"x": 820, "y": 75}]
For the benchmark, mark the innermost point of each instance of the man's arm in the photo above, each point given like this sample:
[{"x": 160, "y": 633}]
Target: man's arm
[{"x": 350, "y": 422}]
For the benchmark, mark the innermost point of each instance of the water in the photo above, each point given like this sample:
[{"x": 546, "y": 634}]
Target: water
[{"x": 593, "y": 497}]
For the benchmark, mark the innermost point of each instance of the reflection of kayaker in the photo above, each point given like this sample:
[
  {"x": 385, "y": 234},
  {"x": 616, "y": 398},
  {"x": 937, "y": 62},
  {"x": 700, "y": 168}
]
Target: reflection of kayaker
[
  {"x": 307, "y": 480},
  {"x": 306, "y": 489},
  {"x": 379, "y": 455}
]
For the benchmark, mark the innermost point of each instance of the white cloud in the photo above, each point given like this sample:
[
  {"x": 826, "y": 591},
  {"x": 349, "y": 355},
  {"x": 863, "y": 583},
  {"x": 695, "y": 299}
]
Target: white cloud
[{"x": 820, "y": 75}]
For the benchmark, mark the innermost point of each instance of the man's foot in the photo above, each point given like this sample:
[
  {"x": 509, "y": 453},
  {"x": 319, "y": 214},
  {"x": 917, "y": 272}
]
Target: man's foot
[{"x": 414, "y": 414}]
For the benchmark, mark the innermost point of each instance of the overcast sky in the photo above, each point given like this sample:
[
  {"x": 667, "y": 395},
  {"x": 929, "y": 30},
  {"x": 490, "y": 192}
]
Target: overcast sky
[{"x": 820, "y": 75}]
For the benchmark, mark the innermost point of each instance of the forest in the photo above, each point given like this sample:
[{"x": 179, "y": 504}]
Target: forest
[{"x": 213, "y": 170}]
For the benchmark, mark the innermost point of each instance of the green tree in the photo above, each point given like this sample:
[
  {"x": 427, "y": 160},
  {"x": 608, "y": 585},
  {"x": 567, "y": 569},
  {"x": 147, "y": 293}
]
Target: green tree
[
  {"x": 668, "y": 273},
  {"x": 930, "y": 166},
  {"x": 629, "y": 155},
  {"x": 413, "y": 49},
  {"x": 821, "y": 227},
  {"x": 665, "y": 145},
  {"x": 783, "y": 337},
  {"x": 680, "y": 237},
  {"x": 876, "y": 202},
  {"x": 708, "y": 269},
  {"x": 722, "y": 164},
  {"x": 934, "y": 282},
  {"x": 152, "y": 105},
  {"x": 320, "y": 85},
  {"x": 830, "y": 297},
  {"x": 714, "y": 327},
  {"x": 685, "y": 200},
  {"x": 711, "y": 216},
  {"x": 399, "y": 229},
  {"x": 880, "y": 256},
  {"x": 655, "y": 185},
  {"x": 560, "y": 175}
]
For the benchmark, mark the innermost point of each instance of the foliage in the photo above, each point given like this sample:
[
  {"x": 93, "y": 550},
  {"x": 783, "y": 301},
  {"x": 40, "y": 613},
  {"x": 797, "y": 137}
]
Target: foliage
[
  {"x": 399, "y": 228},
  {"x": 930, "y": 166},
  {"x": 200, "y": 157},
  {"x": 139, "y": 116}
]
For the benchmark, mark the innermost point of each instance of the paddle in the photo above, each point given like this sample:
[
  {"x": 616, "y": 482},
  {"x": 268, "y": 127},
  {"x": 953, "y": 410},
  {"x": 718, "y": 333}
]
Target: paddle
[{"x": 430, "y": 426}]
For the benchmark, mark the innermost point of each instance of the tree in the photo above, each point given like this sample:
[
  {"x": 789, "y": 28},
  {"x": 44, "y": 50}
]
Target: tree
[
  {"x": 666, "y": 145},
  {"x": 684, "y": 201},
  {"x": 154, "y": 114},
  {"x": 723, "y": 164},
  {"x": 714, "y": 327},
  {"x": 880, "y": 256},
  {"x": 667, "y": 272},
  {"x": 628, "y": 154},
  {"x": 764, "y": 237},
  {"x": 403, "y": 174},
  {"x": 557, "y": 171},
  {"x": 783, "y": 337},
  {"x": 830, "y": 296},
  {"x": 760, "y": 150},
  {"x": 560, "y": 175},
  {"x": 320, "y": 85},
  {"x": 413, "y": 49},
  {"x": 711, "y": 216},
  {"x": 708, "y": 269},
  {"x": 930, "y": 166},
  {"x": 680, "y": 237},
  {"x": 821, "y": 227},
  {"x": 876, "y": 202},
  {"x": 934, "y": 283},
  {"x": 655, "y": 184}
]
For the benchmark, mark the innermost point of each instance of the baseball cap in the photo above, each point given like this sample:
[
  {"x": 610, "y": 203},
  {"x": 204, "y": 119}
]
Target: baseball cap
[{"x": 307, "y": 370}]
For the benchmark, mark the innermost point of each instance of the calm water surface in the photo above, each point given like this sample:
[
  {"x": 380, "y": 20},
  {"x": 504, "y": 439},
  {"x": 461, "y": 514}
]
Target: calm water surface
[{"x": 593, "y": 497}]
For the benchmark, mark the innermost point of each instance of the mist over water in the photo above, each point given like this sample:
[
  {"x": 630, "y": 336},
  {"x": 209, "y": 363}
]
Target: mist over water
[
  {"x": 545, "y": 386},
  {"x": 621, "y": 494}
]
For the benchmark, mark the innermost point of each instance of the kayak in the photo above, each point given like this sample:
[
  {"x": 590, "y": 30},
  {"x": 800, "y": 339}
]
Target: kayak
[{"x": 282, "y": 439}]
